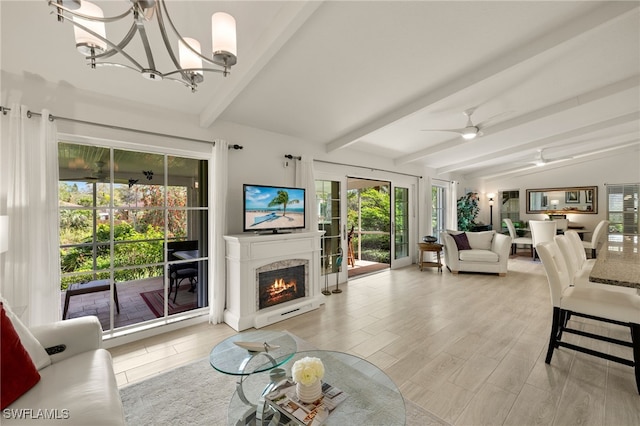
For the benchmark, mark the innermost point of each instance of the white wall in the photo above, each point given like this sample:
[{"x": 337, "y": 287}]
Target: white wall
[
  {"x": 261, "y": 161},
  {"x": 612, "y": 168}
]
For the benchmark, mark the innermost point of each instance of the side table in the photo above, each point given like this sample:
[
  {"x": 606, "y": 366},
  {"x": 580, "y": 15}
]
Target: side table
[{"x": 430, "y": 247}]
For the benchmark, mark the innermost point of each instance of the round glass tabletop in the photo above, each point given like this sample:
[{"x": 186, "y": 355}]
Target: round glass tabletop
[
  {"x": 371, "y": 396},
  {"x": 229, "y": 358}
]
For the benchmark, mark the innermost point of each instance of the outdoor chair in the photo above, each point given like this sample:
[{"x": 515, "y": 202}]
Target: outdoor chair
[{"x": 178, "y": 272}]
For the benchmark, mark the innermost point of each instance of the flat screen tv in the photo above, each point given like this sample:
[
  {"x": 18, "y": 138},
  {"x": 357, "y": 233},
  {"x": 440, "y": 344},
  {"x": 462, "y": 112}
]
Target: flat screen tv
[{"x": 273, "y": 208}]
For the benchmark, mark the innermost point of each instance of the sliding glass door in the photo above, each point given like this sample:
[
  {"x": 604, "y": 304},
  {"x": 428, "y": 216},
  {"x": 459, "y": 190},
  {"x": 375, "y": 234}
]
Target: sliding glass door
[{"x": 133, "y": 229}]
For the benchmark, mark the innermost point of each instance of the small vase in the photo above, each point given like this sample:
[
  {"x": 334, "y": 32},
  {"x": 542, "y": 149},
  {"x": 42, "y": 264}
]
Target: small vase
[{"x": 309, "y": 393}]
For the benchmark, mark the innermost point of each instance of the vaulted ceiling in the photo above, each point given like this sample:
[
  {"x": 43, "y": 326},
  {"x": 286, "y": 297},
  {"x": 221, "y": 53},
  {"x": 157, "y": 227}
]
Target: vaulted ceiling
[{"x": 382, "y": 76}]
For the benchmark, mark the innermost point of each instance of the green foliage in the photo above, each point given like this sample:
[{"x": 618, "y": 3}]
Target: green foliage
[
  {"x": 375, "y": 209},
  {"x": 467, "y": 211},
  {"x": 282, "y": 198}
]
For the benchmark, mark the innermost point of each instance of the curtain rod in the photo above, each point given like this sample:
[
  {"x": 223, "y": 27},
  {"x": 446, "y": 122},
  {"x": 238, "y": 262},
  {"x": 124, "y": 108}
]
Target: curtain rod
[
  {"x": 4, "y": 111},
  {"x": 370, "y": 168},
  {"x": 443, "y": 180}
]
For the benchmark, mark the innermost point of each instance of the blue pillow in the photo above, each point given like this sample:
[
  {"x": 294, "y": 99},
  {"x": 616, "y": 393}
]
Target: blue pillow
[{"x": 462, "y": 241}]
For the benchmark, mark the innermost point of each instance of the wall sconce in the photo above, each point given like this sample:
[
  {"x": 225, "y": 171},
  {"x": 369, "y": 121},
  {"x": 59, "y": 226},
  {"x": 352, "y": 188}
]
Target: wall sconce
[
  {"x": 491, "y": 196},
  {"x": 4, "y": 234},
  {"x": 554, "y": 204}
]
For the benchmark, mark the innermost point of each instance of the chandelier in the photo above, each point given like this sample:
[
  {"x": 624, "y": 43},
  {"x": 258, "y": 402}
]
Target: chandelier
[{"x": 92, "y": 42}]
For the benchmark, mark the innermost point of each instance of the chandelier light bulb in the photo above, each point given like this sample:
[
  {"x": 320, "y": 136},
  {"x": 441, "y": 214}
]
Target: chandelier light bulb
[
  {"x": 188, "y": 59},
  {"x": 86, "y": 41},
  {"x": 223, "y": 34}
]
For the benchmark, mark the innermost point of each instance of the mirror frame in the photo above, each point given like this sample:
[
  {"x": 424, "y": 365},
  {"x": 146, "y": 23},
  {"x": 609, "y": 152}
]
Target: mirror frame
[{"x": 566, "y": 190}]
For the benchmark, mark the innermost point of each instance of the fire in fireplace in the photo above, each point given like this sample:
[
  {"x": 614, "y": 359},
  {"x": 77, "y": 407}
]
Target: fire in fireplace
[{"x": 281, "y": 285}]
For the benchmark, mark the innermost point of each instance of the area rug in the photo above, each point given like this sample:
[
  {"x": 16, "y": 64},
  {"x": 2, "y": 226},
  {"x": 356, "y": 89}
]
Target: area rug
[
  {"x": 196, "y": 394},
  {"x": 155, "y": 301}
]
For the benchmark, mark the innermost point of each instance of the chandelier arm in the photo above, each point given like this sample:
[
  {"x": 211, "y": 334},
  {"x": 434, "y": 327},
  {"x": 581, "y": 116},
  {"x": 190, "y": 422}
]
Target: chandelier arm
[
  {"x": 110, "y": 43},
  {"x": 175, "y": 31},
  {"x": 58, "y": 6},
  {"x": 117, "y": 65},
  {"x": 167, "y": 43},
  {"x": 123, "y": 43},
  {"x": 181, "y": 70},
  {"x": 145, "y": 42}
]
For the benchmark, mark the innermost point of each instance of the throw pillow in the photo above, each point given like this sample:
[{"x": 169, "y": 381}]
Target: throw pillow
[
  {"x": 38, "y": 354},
  {"x": 462, "y": 242},
  {"x": 17, "y": 371}
]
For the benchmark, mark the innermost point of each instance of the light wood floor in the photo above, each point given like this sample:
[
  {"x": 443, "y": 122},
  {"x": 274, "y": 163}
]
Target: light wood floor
[{"x": 469, "y": 348}]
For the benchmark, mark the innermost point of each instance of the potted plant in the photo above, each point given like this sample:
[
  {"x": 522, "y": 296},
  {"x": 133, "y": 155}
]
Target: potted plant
[{"x": 467, "y": 211}]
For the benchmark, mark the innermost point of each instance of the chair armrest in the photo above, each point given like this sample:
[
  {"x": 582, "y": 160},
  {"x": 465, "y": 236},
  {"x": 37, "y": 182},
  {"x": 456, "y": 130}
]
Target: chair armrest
[
  {"x": 501, "y": 245},
  {"x": 77, "y": 334},
  {"x": 451, "y": 256}
]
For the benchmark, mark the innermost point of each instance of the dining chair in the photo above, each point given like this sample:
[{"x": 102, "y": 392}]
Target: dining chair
[
  {"x": 598, "y": 234},
  {"x": 584, "y": 265},
  {"x": 562, "y": 224},
  {"x": 591, "y": 303},
  {"x": 515, "y": 240},
  {"x": 578, "y": 248},
  {"x": 542, "y": 231}
]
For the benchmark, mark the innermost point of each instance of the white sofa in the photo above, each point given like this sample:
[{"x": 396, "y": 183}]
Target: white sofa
[
  {"x": 489, "y": 252},
  {"x": 77, "y": 386}
]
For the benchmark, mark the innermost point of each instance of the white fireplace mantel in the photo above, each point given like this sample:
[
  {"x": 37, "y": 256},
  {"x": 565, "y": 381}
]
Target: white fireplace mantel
[{"x": 247, "y": 252}]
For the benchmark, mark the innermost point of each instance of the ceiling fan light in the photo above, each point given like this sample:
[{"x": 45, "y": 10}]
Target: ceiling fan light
[
  {"x": 223, "y": 38},
  {"x": 469, "y": 133},
  {"x": 188, "y": 59},
  {"x": 85, "y": 41}
]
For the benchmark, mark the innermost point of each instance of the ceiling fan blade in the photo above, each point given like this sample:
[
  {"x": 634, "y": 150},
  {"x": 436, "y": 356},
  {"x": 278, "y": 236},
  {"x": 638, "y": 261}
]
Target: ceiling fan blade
[
  {"x": 488, "y": 121},
  {"x": 444, "y": 130}
]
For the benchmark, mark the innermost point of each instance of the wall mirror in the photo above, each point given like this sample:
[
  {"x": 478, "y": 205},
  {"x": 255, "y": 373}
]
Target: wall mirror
[{"x": 579, "y": 199}]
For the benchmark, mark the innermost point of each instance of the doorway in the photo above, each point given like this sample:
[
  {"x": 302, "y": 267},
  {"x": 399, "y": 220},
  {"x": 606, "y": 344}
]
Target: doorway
[{"x": 369, "y": 247}]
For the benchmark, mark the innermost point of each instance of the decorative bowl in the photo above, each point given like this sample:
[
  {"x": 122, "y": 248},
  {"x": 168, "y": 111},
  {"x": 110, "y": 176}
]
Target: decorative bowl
[{"x": 429, "y": 239}]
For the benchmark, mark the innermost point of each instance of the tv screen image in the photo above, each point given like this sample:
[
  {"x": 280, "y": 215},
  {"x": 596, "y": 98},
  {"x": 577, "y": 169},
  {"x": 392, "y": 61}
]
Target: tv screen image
[{"x": 273, "y": 208}]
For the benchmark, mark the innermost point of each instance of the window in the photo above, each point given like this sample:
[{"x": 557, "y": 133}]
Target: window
[
  {"x": 622, "y": 208},
  {"x": 122, "y": 213},
  {"x": 438, "y": 210}
]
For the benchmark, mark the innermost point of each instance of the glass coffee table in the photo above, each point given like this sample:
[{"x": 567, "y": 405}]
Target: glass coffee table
[
  {"x": 372, "y": 397},
  {"x": 267, "y": 351}
]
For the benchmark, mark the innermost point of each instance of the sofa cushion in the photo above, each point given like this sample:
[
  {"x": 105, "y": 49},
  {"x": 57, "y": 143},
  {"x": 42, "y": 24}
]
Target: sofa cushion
[
  {"x": 36, "y": 351},
  {"x": 462, "y": 241},
  {"x": 478, "y": 256},
  {"x": 17, "y": 370},
  {"x": 81, "y": 389},
  {"x": 481, "y": 240}
]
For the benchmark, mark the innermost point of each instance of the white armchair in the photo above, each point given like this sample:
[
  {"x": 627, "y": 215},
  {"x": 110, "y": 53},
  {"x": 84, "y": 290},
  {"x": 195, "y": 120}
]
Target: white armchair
[
  {"x": 77, "y": 384},
  {"x": 489, "y": 252}
]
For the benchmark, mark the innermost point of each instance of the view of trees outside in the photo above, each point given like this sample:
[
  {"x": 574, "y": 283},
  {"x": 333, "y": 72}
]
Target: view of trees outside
[
  {"x": 138, "y": 229},
  {"x": 375, "y": 211}
]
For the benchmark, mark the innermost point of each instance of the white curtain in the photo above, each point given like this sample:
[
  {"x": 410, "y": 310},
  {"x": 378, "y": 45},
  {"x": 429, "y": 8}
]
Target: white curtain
[
  {"x": 29, "y": 196},
  {"x": 218, "y": 218},
  {"x": 452, "y": 206},
  {"x": 305, "y": 178}
]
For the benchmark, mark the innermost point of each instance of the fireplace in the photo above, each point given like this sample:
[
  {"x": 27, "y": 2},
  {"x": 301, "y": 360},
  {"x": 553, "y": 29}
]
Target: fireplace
[
  {"x": 281, "y": 285},
  {"x": 296, "y": 256},
  {"x": 282, "y": 281}
]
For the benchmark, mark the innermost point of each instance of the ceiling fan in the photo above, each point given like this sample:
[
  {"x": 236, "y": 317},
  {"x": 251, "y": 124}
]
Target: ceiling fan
[
  {"x": 470, "y": 131},
  {"x": 540, "y": 160},
  {"x": 98, "y": 173}
]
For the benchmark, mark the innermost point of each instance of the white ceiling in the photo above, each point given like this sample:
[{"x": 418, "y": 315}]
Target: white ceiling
[{"x": 372, "y": 75}]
